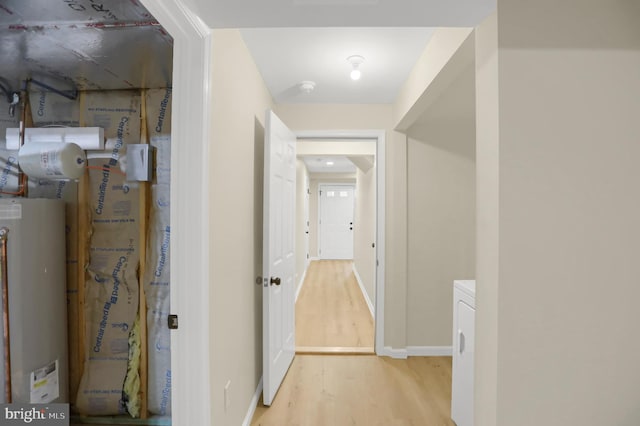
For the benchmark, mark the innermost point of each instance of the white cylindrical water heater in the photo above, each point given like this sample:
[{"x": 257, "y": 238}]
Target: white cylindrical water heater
[
  {"x": 52, "y": 160},
  {"x": 34, "y": 246}
]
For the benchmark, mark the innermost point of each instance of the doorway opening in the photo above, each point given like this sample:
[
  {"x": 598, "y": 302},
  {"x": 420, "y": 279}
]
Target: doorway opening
[
  {"x": 190, "y": 396},
  {"x": 345, "y": 276}
]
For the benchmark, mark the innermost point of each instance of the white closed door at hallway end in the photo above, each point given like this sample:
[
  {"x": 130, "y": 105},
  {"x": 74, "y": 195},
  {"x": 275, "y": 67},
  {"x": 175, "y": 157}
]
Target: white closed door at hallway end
[{"x": 336, "y": 221}]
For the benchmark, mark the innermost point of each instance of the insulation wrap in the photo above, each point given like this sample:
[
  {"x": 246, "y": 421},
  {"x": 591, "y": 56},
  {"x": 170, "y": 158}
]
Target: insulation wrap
[{"x": 156, "y": 279}]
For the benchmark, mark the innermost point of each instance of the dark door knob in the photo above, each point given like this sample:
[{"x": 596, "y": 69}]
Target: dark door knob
[{"x": 275, "y": 280}]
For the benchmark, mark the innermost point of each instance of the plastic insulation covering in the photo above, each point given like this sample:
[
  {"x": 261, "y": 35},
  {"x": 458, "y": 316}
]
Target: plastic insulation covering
[
  {"x": 156, "y": 279},
  {"x": 113, "y": 248},
  {"x": 131, "y": 387},
  {"x": 157, "y": 293},
  {"x": 111, "y": 291},
  {"x": 8, "y": 158},
  {"x": 111, "y": 287}
]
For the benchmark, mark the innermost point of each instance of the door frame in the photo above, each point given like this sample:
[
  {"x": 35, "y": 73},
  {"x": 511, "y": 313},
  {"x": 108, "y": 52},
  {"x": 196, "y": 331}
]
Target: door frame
[
  {"x": 319, "y": 217},
  {"x": 306, "y": 227},
  {"x": 379, "y": 137},
  {"x": 191, "y": 98}
]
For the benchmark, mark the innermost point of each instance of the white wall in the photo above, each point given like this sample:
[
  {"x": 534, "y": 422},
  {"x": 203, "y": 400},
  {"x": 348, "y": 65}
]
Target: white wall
[
  {"x": 302, "y": 185},
  {"x": 435, "y": 107},
  {"x": 487, "y": 226},
  {"x": 441, "y": 222},
  {"x": 239, "y": 99},
  {"x": 364, "y": 230},
  {"x": 568, "y": 218},
  {"x": 436, "y": 68},
  {"x": 395, "y": 298}
]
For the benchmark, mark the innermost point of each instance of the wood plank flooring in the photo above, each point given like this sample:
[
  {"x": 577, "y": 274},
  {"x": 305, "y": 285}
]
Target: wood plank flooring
[
  {"x": 334, "y": 389},
  {"x": 331, "y": 310},
  {"x": 324, "y": 390}
]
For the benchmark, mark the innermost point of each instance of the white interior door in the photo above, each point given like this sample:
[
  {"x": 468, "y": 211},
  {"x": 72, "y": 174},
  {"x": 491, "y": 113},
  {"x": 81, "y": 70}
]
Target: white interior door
[
  {"x": 278, "y": 301},
  {"x": 307, "y": 192},
  {"x": 336, "y": 222}
]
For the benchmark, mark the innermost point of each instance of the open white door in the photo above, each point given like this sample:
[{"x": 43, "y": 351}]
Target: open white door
[
  {"x": 278, "y": 295},
  {"x": 307, "y": 193}
]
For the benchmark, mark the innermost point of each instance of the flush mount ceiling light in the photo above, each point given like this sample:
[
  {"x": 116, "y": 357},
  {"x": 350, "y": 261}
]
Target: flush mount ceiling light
[
  {"x": 355, "y": 61},
  {"x": 329, "y": 163},
  {"x": 307, "y": 86}
]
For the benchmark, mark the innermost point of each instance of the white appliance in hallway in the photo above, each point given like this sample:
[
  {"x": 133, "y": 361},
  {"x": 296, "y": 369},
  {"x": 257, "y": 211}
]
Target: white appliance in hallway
[
  {"x": 336, "y": 222},
  {"x": 464, "y": 310},
  {"x": 35, "y": 355}
]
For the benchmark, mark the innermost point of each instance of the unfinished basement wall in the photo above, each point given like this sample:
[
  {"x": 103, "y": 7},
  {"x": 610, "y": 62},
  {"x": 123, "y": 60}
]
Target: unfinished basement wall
[
  {"x": 157, "y": 285},
  {"x": 108, "y": 239}
]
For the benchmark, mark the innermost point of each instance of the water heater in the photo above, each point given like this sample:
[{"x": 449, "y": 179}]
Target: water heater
[{"x": 32, "y": 243}]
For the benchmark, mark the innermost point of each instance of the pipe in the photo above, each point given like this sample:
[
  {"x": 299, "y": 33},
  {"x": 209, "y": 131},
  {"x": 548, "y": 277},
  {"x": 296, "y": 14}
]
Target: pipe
[
  {"x": 22, "y": 178},
  {"x": 71, "y": 94},
  {"x": 5, "y": 314},
  {"x": 24, "y": 184}
]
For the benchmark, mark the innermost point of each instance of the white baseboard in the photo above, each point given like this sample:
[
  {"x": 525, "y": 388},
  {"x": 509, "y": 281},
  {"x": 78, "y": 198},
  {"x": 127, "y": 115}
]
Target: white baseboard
[
  {"x": 403, "y": 353},
  {"x": 364, "y": 291},
  {"x": 394, "y": 353},
  {"x": 304, "y": 275},
  {"x": 429, "y": 350},
  {"x": 252, "y": 405}
]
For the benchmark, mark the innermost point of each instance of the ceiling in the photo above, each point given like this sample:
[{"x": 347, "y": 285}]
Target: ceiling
[
  {"x": 319, "y": 164},
  {"x": 288, "y": 56},
  {"x": 341, "y": 13},
  {"x": 293, "y": 41},
  {"x": 83, "y": 44},
  {"x": 115, "y": 44}
]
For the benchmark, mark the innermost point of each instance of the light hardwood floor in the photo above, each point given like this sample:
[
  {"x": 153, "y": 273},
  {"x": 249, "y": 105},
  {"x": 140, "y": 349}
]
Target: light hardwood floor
[
  {"x": 331, "y": 310},
  {"x": 342, "y": 390},
  {"x": 321, "y": 390}
]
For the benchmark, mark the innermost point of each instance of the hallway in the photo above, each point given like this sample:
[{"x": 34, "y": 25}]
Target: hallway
[
  {"x": 331, "y": 311},
  {"x": 366, "y": 390},
  {"x": 335, "y": 378}
]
